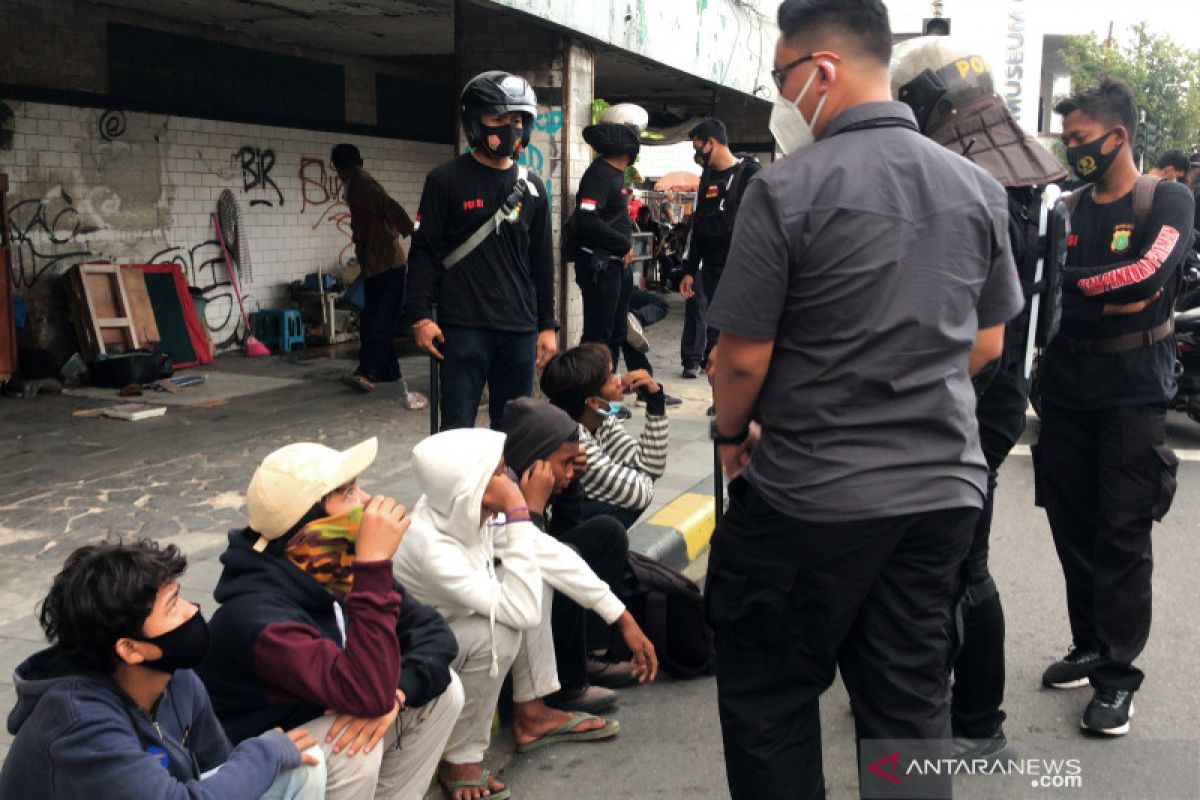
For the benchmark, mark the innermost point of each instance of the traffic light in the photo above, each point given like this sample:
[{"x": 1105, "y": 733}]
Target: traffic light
[{"x": 936, "y": 26}]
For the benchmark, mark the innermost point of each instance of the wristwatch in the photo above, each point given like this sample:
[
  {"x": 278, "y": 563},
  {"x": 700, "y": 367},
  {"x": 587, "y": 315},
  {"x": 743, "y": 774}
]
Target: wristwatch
[{"x": 717, "y": 438}]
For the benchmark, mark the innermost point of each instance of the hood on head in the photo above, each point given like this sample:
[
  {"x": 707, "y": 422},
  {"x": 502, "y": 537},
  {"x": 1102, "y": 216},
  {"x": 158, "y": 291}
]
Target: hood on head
[
  {"x": 535, "y": 429},
  {"x": 453, "y": 469}
]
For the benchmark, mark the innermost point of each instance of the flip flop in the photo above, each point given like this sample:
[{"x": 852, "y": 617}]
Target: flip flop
[
  {"x": 567, "y": 733},
  {"x": 358, "y": 383},
  {"x": 480, "y": 783}
]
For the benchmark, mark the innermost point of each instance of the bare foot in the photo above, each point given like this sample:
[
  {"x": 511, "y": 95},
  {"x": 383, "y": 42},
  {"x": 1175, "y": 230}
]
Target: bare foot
[
  {"x": 535, "y": 719},
  {"x": 449, "y": 773}
]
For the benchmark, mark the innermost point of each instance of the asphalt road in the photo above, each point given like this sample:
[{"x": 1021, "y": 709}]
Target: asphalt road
[{"x": 670, "y": 744}]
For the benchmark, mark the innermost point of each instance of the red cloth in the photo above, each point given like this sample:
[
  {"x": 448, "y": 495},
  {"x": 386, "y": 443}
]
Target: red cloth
[{"x": 195, "y": 331}]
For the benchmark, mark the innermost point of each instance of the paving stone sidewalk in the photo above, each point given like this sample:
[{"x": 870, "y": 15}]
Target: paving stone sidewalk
[{"x": 179, "y": 478}]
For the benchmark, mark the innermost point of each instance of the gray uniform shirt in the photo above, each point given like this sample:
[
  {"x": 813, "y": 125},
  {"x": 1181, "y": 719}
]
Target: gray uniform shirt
[{"x": 872, "y": 258}]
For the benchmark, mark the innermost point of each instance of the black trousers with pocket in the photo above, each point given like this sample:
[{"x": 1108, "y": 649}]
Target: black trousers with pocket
[
  {"x": 978, "y": 690},
  {"x": 606, "y": 294},
  {"x": 1104, "y": 476},
  {"x": 792, "y": 601},
  {"x": 603, "y": 543}
]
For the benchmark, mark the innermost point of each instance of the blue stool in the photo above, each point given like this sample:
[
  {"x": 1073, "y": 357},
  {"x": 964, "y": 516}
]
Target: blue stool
[{"x": 280, "y": 329}]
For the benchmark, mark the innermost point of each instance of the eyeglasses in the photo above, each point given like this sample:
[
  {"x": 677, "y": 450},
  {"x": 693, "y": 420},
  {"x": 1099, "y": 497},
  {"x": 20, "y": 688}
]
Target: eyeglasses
[{"x": 779, "y": 74}]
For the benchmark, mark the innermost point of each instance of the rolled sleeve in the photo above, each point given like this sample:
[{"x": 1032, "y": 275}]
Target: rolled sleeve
[{"x": 754, "y": 286}]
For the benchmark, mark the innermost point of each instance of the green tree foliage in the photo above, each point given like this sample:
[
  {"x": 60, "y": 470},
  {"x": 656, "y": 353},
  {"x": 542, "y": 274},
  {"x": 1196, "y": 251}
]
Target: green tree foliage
[{"x": 1165, "y": 78}]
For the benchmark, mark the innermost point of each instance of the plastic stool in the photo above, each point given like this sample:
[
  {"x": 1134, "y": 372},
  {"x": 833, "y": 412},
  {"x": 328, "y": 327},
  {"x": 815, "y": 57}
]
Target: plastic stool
[{"x": 280, "y": 329}]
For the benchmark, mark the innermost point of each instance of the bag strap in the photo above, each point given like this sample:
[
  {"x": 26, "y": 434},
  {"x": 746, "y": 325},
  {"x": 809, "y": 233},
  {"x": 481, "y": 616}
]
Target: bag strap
[
  {"x": 493, "y": 223},
  {"x": 1143, "y": 197},
  {"x": 1071, "y": 200}
]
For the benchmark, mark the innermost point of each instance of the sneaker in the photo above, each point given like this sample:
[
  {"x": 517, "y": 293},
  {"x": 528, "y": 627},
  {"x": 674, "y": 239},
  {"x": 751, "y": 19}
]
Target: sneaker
[
  {"x": 1072, "y": 671},
  {"x": 589, "y": 699},
  {"x": 1109, "y": 711},
  {"x": 610, "y": 674},
  {"x": 691, "y": 373},
  {"x": 992, "y": 748},
  {"x": 634, "y": 336}
]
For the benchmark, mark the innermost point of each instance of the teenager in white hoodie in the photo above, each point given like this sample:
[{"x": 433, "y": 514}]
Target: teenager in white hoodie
[{"x": 474, "y": 555}]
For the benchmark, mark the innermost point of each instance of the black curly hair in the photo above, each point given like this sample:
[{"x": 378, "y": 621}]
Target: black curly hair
[{"x": 104, "y": 593}]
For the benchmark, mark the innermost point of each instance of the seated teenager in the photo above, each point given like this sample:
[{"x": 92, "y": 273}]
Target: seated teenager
[
  {"x": 313, "y": 627},
  {"x": 474, "y": 554},
  {"x": 113, "y": 710},
  {"x": 542, "y": 434},
  {"x": 621, "y": 471}
]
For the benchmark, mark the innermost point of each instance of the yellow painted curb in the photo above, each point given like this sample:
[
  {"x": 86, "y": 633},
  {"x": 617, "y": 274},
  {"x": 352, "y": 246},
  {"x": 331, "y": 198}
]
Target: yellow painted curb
[{"x": 693, "y": 516}]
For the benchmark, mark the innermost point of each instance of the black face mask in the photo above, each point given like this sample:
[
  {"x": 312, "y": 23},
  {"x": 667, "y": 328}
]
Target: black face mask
[
  {"x": 509, "y": 136},
  {"x": 702, "y": 158},
  {"x": 1088, "y": 161},
  {"x": 182, "y": 648}
]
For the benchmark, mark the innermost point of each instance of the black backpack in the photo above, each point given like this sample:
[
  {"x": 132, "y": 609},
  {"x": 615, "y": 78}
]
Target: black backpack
[{"x": 670, "y": 610}]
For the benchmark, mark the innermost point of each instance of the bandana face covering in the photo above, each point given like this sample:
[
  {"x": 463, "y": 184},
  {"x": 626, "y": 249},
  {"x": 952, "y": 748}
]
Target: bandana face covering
[{"x": 324, "y": 550}]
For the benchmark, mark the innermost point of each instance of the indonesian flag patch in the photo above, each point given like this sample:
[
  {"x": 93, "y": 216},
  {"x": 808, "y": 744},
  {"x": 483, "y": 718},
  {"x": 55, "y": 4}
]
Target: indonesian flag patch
[
  {"x": 417, "y": 224},
  {"x": 712, "y": 191},
  {"x": 587, "y": 204}
]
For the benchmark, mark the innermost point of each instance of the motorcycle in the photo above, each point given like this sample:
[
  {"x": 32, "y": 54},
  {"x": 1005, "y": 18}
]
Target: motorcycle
[{"x": 1187, "y": 343}]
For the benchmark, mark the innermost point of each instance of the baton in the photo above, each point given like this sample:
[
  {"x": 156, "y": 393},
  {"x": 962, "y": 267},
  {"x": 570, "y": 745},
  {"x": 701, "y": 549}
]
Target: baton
[{"x": 435, "y": 383}]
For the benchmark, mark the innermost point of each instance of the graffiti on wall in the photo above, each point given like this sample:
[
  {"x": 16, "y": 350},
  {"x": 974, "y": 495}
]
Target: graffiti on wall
[
  {"x": 45, "y": 233},
  {"x": 256, "y": 165},
  {"x": 542, "y": 156},
  {"x": 320, "y": 187},
  {"x": 112, "y": 125},
  {"x": 204, "y": 267}
]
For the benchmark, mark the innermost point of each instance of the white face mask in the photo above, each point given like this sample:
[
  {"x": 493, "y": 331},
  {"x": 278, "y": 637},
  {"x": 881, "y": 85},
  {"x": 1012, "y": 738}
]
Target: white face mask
[{"x": 789, "y": 127}]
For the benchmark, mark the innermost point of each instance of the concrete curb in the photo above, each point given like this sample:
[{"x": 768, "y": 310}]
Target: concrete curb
[{"x": 680, "y": 531}]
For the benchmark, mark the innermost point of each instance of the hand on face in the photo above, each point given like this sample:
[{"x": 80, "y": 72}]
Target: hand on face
[
  {"x": 502, "y": 495},
  {"x": 383, "y": 525},
  {"x": 537, "y": 485}
]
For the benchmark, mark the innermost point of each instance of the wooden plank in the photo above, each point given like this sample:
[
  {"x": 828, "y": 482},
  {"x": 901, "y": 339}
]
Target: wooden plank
[
  {"x": 140, "y": 308},
  {"x": 104, "y": 308}
]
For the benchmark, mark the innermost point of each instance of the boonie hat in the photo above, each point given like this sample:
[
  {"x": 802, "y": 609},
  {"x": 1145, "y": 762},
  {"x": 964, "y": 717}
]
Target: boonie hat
[{"x": 292, "y": 479}]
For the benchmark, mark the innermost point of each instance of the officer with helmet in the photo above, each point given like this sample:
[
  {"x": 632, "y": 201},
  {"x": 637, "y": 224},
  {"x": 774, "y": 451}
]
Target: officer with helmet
[
  {"x": 951, "y": 93},
  {"x": 604, "y": 235},
  {"x": 482, "y": 253}
]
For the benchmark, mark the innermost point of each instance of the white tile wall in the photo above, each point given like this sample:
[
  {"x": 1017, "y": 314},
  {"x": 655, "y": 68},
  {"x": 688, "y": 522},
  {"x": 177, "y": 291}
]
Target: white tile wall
[{"x": 150, "y": 191}]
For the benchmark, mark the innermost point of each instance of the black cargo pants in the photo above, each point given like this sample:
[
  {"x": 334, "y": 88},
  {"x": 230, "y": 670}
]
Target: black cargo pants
[
  {"x": 791, "y": 602},
  {"x": 1104, "y": 476}
]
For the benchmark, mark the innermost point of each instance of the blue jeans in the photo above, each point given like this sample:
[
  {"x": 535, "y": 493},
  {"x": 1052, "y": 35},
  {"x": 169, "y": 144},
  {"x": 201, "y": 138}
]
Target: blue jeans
[{"x": 475, "y": 356}]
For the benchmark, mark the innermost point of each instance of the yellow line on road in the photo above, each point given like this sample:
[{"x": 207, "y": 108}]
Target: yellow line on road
[{"x": 693, "y": 516}]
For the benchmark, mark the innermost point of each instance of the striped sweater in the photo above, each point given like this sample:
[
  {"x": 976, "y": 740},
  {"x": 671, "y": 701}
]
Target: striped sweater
[{"x": 621, "y": 470}]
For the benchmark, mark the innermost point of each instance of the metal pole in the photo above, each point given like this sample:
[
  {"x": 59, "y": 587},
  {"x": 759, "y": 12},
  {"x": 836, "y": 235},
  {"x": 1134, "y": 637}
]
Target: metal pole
[
  {"x": 435, "y": 384},
  {"x": 718, "y": 484}
]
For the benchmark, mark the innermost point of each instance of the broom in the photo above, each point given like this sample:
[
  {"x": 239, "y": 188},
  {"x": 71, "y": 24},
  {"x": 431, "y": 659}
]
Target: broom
[{"x": 252, "y": 347}]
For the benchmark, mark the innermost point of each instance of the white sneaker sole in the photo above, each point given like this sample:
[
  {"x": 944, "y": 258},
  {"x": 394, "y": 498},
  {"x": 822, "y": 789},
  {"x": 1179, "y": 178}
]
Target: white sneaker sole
[
  {"x": 1120, "y": 730},
  {"x": 1076, "y": 684}
]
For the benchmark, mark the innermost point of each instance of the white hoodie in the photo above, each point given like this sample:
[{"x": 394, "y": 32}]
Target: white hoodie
[{"x": 448, "y": 556}]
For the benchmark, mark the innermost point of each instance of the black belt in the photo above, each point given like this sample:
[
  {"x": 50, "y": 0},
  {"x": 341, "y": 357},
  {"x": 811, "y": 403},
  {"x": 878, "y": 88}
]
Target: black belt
[{"x": 1122, "y": 343}]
